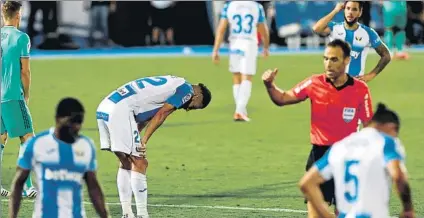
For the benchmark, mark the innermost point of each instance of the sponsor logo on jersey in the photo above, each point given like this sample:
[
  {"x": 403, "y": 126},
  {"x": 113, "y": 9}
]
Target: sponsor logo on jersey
[
  {"x": 62, "y": 175},
  {"x": 348, "y": 114}
]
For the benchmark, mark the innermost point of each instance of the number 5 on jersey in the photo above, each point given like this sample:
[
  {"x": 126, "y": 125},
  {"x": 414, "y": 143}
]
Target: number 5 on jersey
[{"x": 351, "y": 177}]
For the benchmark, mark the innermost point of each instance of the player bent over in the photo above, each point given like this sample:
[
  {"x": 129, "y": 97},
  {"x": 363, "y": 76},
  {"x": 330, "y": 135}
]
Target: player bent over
[
  {"x": 363, "y": 166},
  {"x": 145, "y": 102},
  {"x": 338, "y": 101}
]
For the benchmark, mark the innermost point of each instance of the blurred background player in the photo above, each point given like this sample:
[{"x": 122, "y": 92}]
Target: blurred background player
[
  {"x": 123, "y": 114},
  {"x": 363, "y": 166},
  {"x": 62, "y": 159},
  {"x": 246, "y": 19},
  {"x": 395, "y": 18},
  {"x": 16, "y": 119},
  {"x": 338, "y": 102},
  {"x": 359, "y": 36}
]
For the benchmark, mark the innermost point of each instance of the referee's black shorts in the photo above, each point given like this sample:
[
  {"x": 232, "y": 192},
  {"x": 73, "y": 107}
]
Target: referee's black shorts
[{"x": 327, "y": 188}]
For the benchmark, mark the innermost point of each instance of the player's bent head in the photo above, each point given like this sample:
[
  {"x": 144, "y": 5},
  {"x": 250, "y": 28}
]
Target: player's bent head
[
  {"x": 11, "y": 9},
  {"x": 201, "y": 99},
  {"x": 386, "y": 120},
  {"x": 70, "y": 115}
]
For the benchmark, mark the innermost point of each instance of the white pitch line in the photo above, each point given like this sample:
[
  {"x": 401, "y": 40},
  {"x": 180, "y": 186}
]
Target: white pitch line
[{"x": 203, "y": 206}]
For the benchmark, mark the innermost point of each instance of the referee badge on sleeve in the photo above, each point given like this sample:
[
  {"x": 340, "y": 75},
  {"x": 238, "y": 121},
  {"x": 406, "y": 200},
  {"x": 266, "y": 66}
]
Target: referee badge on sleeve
[{"x": 348, "y": 114}]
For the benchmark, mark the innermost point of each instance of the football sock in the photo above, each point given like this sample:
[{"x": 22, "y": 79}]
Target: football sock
[
  {"x": 243, "y": 96},
  {"x": 236, "y": 88},
  {"x": 388, "y": 37},
  {"x": 139, "y": 187},
  {"x": 400, "y": 39},
  {"x": 123, "y": 181},
  {"x": 28, "y": 181}
]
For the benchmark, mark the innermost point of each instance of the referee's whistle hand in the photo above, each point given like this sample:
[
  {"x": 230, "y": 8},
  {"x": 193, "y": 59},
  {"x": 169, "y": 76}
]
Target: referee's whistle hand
[{"x": 269, "y": 75}]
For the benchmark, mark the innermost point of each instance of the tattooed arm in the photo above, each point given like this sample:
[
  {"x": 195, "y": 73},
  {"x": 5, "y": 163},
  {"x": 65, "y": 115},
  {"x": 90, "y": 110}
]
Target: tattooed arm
[{"x": 385, "y": 58}]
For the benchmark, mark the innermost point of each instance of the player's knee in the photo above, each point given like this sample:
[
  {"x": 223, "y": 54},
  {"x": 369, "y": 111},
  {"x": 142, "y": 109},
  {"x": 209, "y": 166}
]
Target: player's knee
[
  {"x": 247, "y": 77},
  {"x": 4, "y": 138},
  {"x": 395, "y": 29},
  {"x": 140, "y": 165},
  {"x": 236, "y": 78},
  {"x": 26, "y": 137},
  {"x": 125, "y": 162}
]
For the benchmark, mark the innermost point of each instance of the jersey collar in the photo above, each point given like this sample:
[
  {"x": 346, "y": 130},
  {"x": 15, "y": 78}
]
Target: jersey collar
[{"x": 349, "y": 82}]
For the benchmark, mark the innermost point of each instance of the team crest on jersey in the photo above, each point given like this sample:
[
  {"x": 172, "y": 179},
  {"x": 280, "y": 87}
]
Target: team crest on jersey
[
  {"x": 348, "y": 114},
  {"x": 358, "y": 38}
]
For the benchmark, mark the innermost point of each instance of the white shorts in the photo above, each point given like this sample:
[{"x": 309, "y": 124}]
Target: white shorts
[
  {"x": 243, "y": 57},
  {"x": 118, "y": 129}
]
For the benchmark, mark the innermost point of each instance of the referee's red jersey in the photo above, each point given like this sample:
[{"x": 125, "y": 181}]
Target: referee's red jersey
[{"x": 335, "y": 111}]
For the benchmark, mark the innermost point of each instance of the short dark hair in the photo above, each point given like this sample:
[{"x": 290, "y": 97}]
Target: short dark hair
[
  {"x": 207, "y": 95},
  {"x": 384, "y": 115},
  {"x": 10, "y": 8},
  {"x": 341, "y": 44},
  {"x": 361, "y": 4},
  {"x": 70, "y": 107}
]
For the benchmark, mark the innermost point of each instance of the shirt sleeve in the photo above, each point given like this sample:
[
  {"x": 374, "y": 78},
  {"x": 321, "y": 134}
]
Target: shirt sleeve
[
  {"x": 25, "y": 46},
  {"x": 224, "y": 11},
  {"x": 26, "y": 157},
  {"x": 331, "y": 25},
  {"x": 302, "y": 90},
  {"x": 182, "y": 94},
  {"x": 92, "y": 166},
  {"x": 261, "y": 17},
  {"x": 375, "y": 39},
  {"x": 393, "y": 150},
  {"x": 324, "y": 167},
  {"x": 365, "y": 106}
]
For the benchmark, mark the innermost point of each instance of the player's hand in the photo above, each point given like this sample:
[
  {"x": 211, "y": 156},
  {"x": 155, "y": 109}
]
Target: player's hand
[
  {"x": 367, "y": 77},
  {"x": 269, "y": 76},
  {"x": 339, "y": 7},
  {"x": 143, "y": 150},
  {"x": 266, "y": 52},
  {"x": 215, "y": 57},
  {"x": 407, "y": 214}
]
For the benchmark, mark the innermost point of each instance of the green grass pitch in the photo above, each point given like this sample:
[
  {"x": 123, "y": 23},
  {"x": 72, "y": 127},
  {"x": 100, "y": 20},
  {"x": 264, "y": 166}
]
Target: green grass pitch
[{"x": 204, "y": 160}]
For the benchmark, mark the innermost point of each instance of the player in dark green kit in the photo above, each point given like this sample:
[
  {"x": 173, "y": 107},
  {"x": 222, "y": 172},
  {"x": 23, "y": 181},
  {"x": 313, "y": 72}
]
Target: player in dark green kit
[
  {"x": 16, "y": 119},
  {"x": 395, "y": 19}
]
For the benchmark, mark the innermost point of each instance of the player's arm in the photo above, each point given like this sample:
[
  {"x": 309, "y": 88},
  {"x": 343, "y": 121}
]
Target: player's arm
[
  {"x": 385, "y": 58},
  {"x": 263, "y": 28},
  {"x": 324, "y": 26},
  {"x": 279, "y": 96},
  {"x": 96, "y": 193},
  {"x": 393, "y": 155},
  {"x": 25, "y": 44},
  {"x": 365, "y": 107},
  {"x": 17, "y": 187},
  {"x": 220, "y": 31},
  {"x": 157, "y": 121},
  {"x": 310, "y": 186}
]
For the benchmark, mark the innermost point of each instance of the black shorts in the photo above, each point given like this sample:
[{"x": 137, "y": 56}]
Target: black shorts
[
  {"x": 327, "y": 188},
  {"x": 163, "y": 18}
]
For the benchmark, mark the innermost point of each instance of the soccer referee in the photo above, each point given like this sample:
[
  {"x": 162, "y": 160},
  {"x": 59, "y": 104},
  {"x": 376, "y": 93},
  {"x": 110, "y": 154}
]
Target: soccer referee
[{"x": 338, "y": 101}]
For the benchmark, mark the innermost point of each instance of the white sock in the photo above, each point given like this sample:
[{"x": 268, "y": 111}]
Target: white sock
[
  {"x": 236, "y": 88},
  {"x": 139, "y": 187},
  {"x": 243, "y": 96},
  {"x": 123, "y": 181}
]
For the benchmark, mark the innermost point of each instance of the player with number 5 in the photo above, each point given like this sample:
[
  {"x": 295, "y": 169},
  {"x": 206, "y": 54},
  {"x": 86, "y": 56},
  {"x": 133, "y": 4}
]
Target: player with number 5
[
  {"x": 363, "y": 166},
  {"x": 246, "y": 19},
  {"x": 126, "y": 111}
]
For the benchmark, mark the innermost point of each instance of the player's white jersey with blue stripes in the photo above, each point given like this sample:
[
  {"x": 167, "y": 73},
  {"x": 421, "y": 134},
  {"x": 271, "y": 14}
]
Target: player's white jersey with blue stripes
[
  {"x": 243, "y": 18},
  {"x": 145, "y": 96},
  {"x": 358, "y": 165},
  {"x": 59, "y": 168},
  {"x": 360, "y": 41}
]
